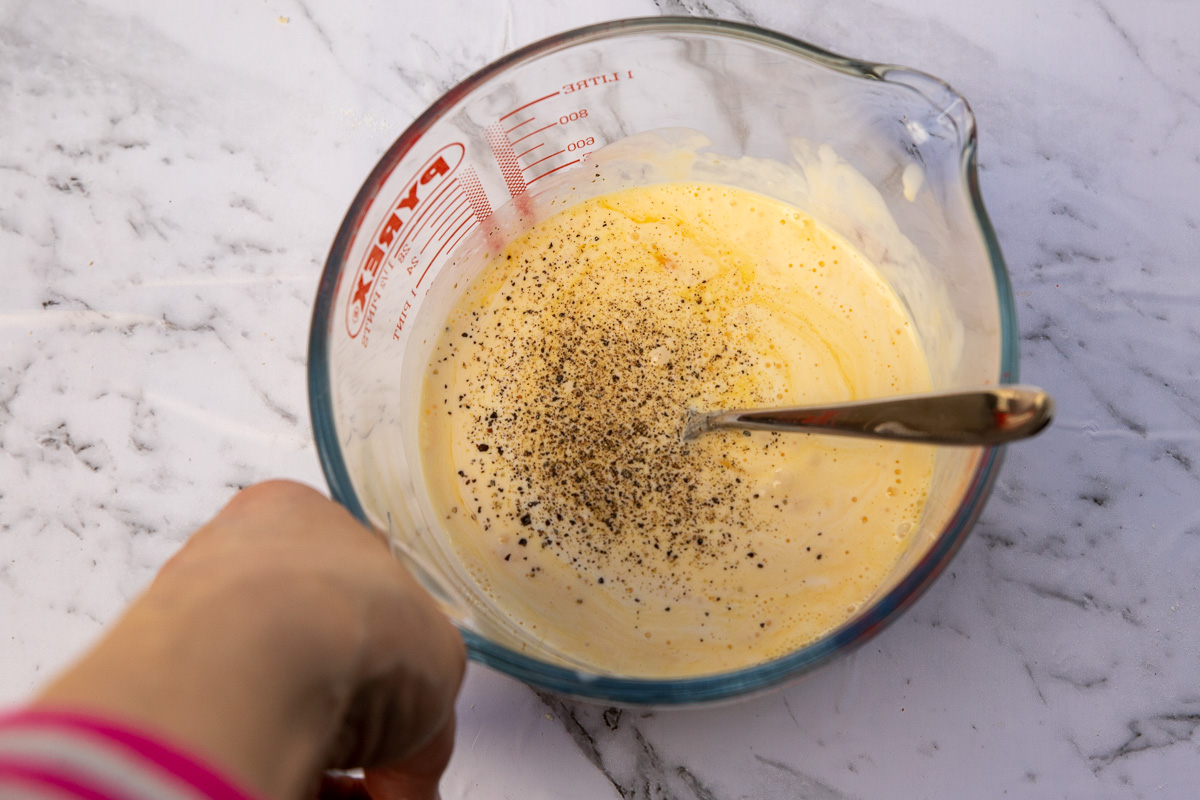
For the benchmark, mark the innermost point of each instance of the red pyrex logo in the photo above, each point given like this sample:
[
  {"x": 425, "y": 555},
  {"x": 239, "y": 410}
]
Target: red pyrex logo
[{"x": 372, "y": 272}]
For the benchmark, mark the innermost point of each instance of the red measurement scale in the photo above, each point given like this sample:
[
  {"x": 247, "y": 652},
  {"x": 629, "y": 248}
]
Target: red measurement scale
[
  {"x": 444, "y": 200},
  {"x": 530, "y": 143}
]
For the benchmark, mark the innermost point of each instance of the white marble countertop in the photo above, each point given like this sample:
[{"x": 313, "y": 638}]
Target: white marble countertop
[{"x": 171, "y": 177}]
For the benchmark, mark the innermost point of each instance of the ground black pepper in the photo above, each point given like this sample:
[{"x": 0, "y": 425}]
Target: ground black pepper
[{"x": 588, "y": 380}]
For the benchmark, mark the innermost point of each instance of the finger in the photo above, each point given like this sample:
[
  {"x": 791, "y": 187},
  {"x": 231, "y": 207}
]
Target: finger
[
  {"x": 408, "y": 679},
  {"x": 417, "y": 776},
  {"x": 280, "y": 508},
  {"x": 342, "y": 787}
]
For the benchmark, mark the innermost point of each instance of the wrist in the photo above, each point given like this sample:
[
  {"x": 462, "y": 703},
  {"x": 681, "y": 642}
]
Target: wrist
[
  {"x": 222, "y": 678},
  {"x": 97, "y": 754}
]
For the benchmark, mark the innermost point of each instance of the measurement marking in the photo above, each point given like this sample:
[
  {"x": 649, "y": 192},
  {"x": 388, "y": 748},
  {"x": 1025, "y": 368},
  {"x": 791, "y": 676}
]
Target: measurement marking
[
  {"x": 450, "y": 247},
  {"x": 535, "y": 133},
  {"x": 519, "y": 124},
  {"x": 436, "y": 202},
  {"x": 530, "y": 150},
  {"x": 442, "y": 202},
  {"x": 454, "y": 215},
  {"x": 506, "y": 160},
  {"x": 454, "y": 226},
  {"x": 556, "y": 169},
  {"x": 446, "y": 209},
  {"x": 540, "y": 160},
  {"x": 451, "y": 219},
  {"x": 415, "y": 225},
  {"x": 479, "y": 201},
  {"x": 527, "y": 105},
  {"x": 452, "y": 237},
  {"x": 433, "y": 260}
]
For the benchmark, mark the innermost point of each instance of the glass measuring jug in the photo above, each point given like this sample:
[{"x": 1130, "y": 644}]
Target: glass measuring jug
[{"x": 841, "y": 136}]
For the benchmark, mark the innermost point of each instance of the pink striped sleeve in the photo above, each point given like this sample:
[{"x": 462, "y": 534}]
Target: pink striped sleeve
[
  {"x": 59, "y": 754},
  {"x": 32, "y": 777}
]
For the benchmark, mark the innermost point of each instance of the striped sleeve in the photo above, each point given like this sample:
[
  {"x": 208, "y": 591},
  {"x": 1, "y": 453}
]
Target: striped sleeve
[{"x": 54, "y": 755}]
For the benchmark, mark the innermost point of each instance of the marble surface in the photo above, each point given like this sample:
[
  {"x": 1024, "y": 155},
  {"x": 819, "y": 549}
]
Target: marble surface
[{"x": 171, "y": 176}]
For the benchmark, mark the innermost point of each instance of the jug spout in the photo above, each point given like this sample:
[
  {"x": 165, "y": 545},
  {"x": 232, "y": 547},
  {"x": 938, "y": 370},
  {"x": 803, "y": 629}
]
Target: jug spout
[{"x": 934, "y": 109}]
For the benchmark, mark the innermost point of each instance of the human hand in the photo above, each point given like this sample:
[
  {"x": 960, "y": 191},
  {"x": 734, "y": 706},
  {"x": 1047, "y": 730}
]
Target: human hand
[{"x": 281, "y": 640}]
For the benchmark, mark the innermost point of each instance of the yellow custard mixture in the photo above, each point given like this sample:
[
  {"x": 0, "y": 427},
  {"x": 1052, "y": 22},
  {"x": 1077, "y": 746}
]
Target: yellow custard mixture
[{"x": 554, "y": 401}]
